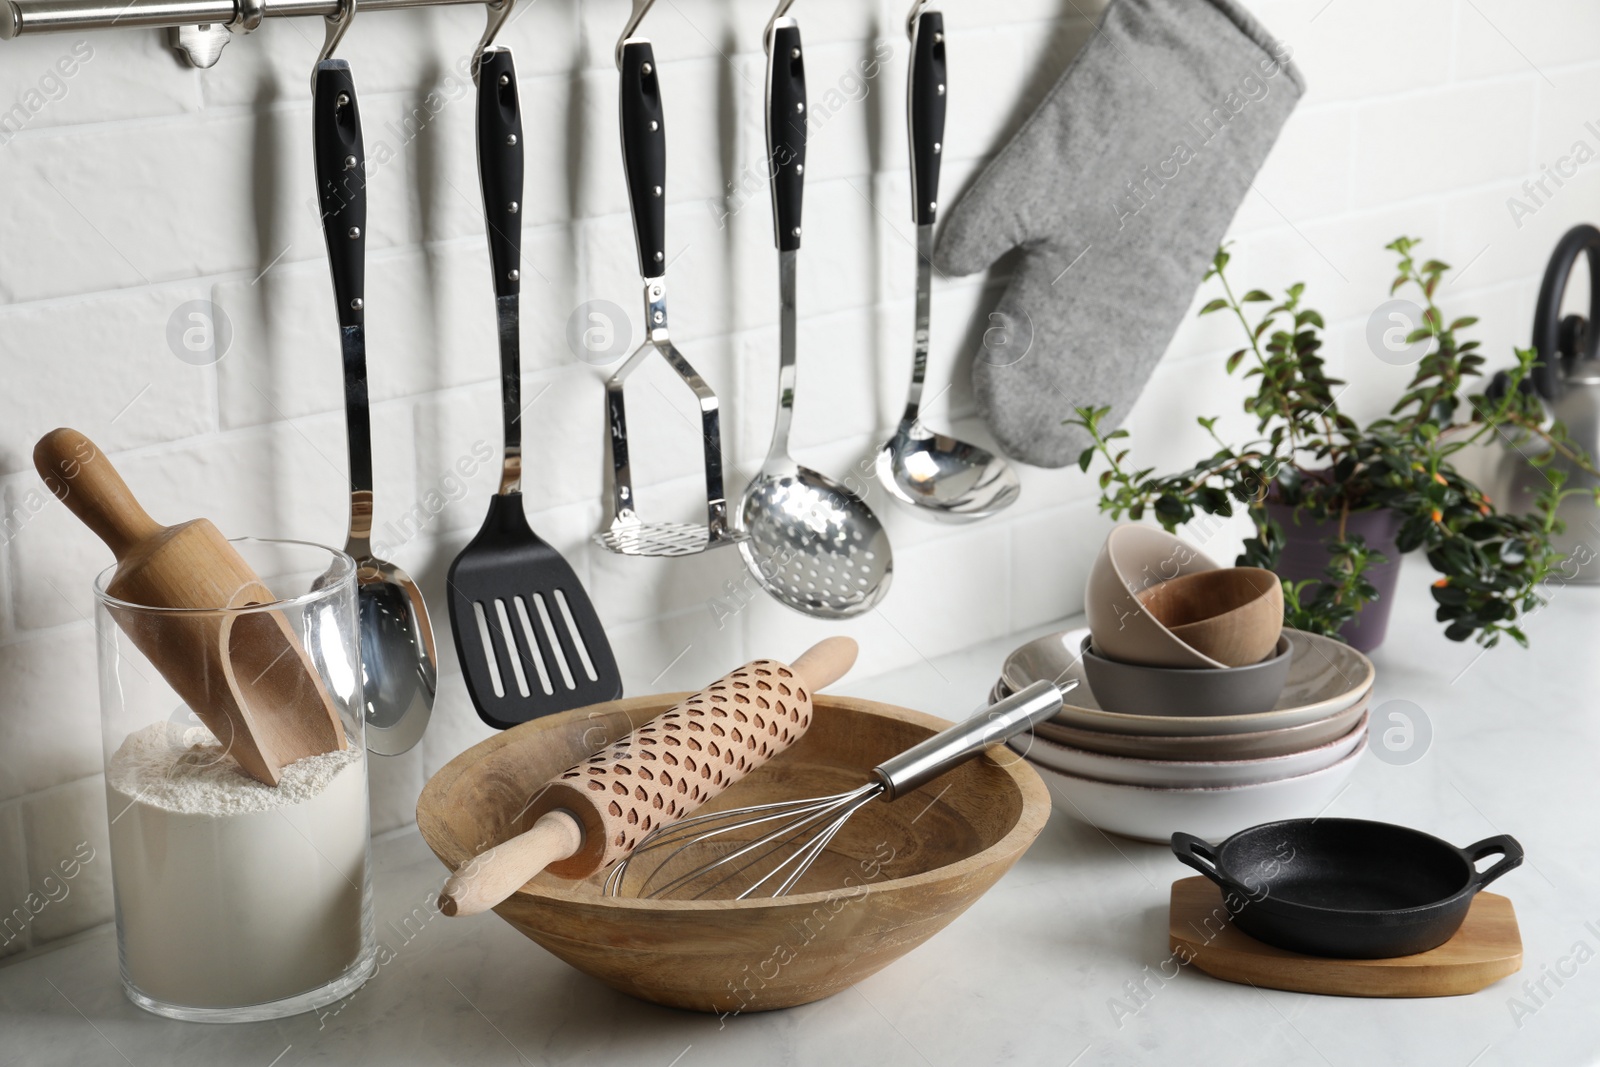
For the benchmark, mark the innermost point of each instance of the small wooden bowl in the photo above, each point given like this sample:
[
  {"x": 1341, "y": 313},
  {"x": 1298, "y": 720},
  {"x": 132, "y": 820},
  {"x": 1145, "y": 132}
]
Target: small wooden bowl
[
  {"x": 1233, "y": 615},
  {"x": 896, "y": 875}
]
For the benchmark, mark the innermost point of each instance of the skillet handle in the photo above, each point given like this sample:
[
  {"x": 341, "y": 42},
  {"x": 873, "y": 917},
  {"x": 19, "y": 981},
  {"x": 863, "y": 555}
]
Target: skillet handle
[
  {"x": 1196, "y": 853},
  {"x": 1504, "y": 844}
]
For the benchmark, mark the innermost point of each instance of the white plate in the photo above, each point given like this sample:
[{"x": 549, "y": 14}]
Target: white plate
[
  {"x": 1325, "y": 677},
  {"x": 1212, "y": 812},
  {"x": 1178, "y": 773}
]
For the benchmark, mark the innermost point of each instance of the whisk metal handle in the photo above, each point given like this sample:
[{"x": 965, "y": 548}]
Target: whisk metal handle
[{"x": 995, "y": 724}]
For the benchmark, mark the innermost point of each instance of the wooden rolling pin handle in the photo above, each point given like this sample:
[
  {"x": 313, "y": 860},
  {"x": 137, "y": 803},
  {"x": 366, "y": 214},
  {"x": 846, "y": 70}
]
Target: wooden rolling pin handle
[
  {"x": 82, "y": 478},
  {"x": 825, "y": 662},
  {"x": 486, "y": 880},
  {"x": 559, "y": 835}
]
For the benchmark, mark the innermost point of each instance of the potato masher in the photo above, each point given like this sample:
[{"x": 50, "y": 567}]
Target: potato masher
[{"x": 644, "y": 156}]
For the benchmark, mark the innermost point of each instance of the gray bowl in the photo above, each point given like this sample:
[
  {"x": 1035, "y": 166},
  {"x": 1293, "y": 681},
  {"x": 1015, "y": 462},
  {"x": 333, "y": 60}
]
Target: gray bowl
[{"x": 1135, "y": 689}]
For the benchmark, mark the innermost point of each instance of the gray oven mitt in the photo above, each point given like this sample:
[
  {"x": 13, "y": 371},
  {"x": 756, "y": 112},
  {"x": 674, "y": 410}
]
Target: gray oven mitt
[{"x": 1117, "y": 190}]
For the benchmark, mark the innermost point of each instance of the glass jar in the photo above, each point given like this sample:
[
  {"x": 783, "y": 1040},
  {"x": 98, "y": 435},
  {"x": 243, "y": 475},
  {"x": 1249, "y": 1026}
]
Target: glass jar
[{"x": 238, "y": 900}]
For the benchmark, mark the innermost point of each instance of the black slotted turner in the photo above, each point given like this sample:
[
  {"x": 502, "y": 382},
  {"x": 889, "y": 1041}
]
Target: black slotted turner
[{"x": 528, "y": 638}]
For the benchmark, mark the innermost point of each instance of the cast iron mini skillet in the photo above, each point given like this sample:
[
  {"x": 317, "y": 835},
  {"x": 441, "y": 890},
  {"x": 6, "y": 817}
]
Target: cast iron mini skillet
[{"x": 1346, "y": 887}]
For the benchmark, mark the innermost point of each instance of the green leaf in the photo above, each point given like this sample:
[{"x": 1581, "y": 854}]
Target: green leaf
[
  {"x": 1085, "y": 458},
  {"x": 1235, "y": 359},
  {"x": 1216, "y": 305},
  {"x": 1255, "y": 296}
]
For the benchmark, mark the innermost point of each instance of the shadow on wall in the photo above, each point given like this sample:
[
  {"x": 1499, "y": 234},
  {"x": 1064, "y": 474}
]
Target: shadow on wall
[
  {"x": 432, "y": 183},
  {"x": 272, "y": 127},
  {"x": 875, "y": 249}
]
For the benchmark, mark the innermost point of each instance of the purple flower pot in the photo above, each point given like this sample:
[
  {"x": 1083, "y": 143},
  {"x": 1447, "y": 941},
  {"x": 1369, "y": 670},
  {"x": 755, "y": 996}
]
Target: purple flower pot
[{"x": 1305, "y": 555}]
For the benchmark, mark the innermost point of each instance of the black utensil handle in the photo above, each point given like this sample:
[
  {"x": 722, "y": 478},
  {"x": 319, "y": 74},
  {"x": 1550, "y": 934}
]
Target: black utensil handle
[
  {"x": 1197, "y": 853},
  {"x": 1505, "y": 845},
  {"x": 786, "y": 131},
  {"x": 644, "y": 154},
  {"x": 341, "y": 184},
  {"x": 926, "y": 100},
  {"x": 500, "y": 167}
]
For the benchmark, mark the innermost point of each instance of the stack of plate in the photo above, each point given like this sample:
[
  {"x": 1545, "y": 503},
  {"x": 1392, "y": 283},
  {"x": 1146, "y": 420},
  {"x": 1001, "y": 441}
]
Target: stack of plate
[{"x": 1146, "y": 776}]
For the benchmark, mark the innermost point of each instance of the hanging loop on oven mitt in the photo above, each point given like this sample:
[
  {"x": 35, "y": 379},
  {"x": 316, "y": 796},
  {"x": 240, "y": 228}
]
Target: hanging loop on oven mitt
[{"x": 1117, "y": 190}]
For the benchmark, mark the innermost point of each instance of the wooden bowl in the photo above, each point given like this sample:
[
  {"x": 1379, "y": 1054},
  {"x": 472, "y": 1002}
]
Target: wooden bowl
[
  {"x": 895, "y": 876},
  {"x": 1233, "y": 615}
]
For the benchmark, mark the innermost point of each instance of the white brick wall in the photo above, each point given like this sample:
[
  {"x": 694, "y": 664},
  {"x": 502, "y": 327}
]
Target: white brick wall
[{"x": 142, "y": 184}]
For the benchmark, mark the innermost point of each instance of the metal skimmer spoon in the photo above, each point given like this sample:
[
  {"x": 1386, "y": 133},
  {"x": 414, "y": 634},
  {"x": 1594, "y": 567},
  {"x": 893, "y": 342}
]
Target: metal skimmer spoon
[
  {"x": 397, "y": 650},
  {"x": 814, "y": 545},
  {"x": 941, "y": 477}
]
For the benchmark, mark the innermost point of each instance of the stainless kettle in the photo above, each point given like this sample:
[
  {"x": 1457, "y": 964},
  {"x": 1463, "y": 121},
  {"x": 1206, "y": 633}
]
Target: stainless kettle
[{"x": 1567, "y": 381}]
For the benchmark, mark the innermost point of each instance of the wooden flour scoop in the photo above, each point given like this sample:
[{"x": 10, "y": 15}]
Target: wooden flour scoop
[
  {"x": 596, "y": 812},
  {"x": 245, "y": 676}
]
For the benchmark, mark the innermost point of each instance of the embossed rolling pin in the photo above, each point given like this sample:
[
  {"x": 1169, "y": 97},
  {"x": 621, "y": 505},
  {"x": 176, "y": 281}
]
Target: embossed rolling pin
[{"x": 595, "y": 812}]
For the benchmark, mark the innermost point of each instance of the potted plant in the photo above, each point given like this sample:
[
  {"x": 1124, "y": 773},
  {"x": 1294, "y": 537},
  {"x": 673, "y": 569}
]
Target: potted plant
[{"x": 1335, "y": 503}]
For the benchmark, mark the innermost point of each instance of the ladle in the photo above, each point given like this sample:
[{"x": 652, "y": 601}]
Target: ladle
[{"x": 942, "y": 477}]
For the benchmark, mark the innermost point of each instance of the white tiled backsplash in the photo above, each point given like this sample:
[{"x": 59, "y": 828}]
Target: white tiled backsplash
[{"x": 137, "y": 184}]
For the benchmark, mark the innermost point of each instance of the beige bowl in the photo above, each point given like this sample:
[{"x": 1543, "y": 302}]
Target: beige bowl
[
  {"x": 896, "y": 875},
  {"x": 1325, "y": 676},
  {"x": 1258, "y": 744},
  {"x": 1233, "y": 614},
  {"x": 1134, "y": 560}
]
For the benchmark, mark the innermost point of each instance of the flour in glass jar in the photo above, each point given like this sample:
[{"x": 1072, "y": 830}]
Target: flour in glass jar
[{"x": 232, "y": 892}]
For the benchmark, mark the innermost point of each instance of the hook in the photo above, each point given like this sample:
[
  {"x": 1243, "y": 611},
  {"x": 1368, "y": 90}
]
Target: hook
[
  {"x": 918, "y": 8},
  {"x": 777, "y": 13},
  {"x": 337, "y": 26},
  {"x": 499, "y": 15},
  {"x": 641, "y": 8}
]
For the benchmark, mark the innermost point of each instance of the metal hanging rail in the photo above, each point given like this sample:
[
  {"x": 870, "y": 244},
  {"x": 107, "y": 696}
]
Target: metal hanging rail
[
  {"x": 18, "y": 17},
  {"x": 202, "y": 26}
]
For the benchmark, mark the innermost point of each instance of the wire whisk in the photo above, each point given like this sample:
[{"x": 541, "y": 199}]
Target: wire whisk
[{"x": 798, "y": 832}]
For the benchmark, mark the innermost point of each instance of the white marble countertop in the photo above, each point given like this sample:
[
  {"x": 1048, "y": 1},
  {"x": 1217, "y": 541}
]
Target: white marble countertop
[{"x": 1032, "y": 972}]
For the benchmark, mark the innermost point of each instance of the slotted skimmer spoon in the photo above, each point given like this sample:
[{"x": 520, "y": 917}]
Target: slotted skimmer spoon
[
  {"x": 529, "y": 640},
  {"x": 814, "y": 545},
  {"x": 644, "y": 157},
  {"x": 397, "y": 650},
  {"x": 939, "y": 476}
]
